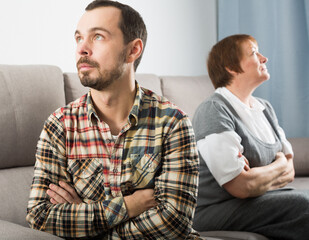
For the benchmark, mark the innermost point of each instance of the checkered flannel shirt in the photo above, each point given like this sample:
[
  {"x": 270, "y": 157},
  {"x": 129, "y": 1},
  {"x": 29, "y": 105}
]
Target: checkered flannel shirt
[{"x": 155, "y": 149}]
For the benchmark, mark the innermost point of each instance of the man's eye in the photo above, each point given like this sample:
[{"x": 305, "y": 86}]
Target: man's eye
[
  {"x": 78, "y": 39},
  {"x": 98, "y": 37}
]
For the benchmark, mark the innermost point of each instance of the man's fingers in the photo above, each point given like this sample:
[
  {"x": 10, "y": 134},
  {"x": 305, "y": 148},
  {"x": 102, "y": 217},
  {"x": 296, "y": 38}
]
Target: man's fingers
[
  {"x": 53, "y": 201},
  {"x": 71, "y": 190},
  {"x": 55, "y": 198},
  {"x": 63, "y": 193},
  {"x": 60, "y": 194},
  {"x": 68, "y": 188}
]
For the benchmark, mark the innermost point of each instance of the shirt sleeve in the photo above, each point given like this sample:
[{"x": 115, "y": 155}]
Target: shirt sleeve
[
  {"x": 65, "y": 220},
  {"x": 175, "y": 190},
  {"x": 220, "y": 152}
]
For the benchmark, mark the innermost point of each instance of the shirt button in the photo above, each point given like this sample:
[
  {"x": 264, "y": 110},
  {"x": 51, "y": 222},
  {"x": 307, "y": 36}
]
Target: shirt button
[{"x": 115, "y": 170}]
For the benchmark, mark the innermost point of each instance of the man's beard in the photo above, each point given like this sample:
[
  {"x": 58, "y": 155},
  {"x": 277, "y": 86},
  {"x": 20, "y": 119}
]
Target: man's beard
[{"x": 105, "y": 78}]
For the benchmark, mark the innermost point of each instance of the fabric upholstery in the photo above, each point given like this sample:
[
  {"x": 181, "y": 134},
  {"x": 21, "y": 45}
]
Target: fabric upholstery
[
  {"x": 11, "y": 231},
  {"x": 300, "y": 182},
  {"x": 151, "y": 82},
  {"x": 15, "y": 188},
  {"x": 28, "y": 94},
  {"x": 74, "y": 89},
  {"x": 187, "y": 92},
  {"x": 230, "y": 235},
  {"x": 301, "y": 158}
]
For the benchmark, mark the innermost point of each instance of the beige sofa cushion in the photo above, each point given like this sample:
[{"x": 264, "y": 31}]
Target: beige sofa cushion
[
  {"x": 150, "y": 81},
  {"x": 74, "y": 89},
  {"x": 187, "y": 92},
  {"x": 11, "y": 231},
  {"x": 301, "y": 158},
  {"x": 15, "y": 188},
  {"x": 28, "y": 94}
]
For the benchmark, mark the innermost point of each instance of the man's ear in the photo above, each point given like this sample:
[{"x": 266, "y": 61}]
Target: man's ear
[{"x": 135, "y": 49}]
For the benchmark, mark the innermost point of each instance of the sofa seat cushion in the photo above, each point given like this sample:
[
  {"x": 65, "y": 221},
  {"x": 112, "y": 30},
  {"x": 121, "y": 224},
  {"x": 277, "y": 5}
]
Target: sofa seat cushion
[
  {"x": 232, "y": 235},
  {"x": 15, "y": 188},
  {"x": 300, "y": 183},
  {"x": 12, "y": 231}
]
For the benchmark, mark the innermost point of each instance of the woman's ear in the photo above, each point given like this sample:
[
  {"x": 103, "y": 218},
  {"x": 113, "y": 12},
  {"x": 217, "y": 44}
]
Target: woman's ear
[
  {"x": 232, "y": 72},
  {"x": 135, "y": 50}
]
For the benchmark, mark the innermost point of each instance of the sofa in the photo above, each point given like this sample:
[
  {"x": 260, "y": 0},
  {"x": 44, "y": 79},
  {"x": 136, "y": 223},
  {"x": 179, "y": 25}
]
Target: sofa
[{"x": 30, "y": 93}]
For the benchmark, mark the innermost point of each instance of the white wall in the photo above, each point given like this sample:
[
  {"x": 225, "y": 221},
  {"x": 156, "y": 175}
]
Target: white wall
[{"x": 180, "y": 33}]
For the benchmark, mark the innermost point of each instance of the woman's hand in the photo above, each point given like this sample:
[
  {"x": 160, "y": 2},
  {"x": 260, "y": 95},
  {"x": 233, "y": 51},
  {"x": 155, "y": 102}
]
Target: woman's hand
[
  {"x": 253, "y": 182},
  {"x": 247, "y": 166},
  {"x": 288, "y": 174}
]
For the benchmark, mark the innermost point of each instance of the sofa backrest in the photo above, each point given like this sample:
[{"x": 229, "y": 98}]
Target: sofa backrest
[
  {"x": 185, "y": 92},
  {"x": 28, "y": 95},
  {"x": 74, "y": 89}
]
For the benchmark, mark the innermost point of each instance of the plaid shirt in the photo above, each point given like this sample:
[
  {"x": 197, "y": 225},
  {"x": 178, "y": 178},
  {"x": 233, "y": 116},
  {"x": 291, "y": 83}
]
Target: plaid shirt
[{"x": 155, "y": 149}]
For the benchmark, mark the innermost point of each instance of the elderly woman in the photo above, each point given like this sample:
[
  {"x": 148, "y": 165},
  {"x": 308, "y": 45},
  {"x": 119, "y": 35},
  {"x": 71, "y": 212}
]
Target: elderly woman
[{"x": 246, "y": 160}]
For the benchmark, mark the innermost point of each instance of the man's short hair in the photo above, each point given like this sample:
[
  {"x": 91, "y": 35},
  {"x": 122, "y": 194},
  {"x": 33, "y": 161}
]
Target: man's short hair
[
  {"x": 131, "y": 24},
  {"x": 226, "y": 54}
]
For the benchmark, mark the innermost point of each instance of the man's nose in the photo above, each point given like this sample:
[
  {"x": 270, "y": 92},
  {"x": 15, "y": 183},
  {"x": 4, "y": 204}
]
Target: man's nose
[{"x": 84, "y": 48}]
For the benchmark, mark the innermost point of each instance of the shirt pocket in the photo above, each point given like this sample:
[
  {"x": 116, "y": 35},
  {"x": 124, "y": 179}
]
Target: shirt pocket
[
  {"x": 145, "y": 171},
  {"x": 87, "y": 176}
]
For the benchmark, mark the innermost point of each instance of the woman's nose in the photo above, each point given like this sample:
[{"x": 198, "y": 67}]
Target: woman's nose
[{"x": 263, "y": 59}]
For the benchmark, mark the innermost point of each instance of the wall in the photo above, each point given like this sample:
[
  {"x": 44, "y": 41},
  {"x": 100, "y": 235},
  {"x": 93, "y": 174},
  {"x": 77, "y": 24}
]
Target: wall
[{"x": 181, "y": 32}]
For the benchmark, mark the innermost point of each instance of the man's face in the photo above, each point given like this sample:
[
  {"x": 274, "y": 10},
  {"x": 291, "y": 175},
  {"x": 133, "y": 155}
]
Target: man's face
[{"x": 100, "y": 52}]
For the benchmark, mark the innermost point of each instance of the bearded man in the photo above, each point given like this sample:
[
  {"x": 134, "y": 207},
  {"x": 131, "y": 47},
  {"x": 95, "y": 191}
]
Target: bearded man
[{"x": 120, "y": 162}]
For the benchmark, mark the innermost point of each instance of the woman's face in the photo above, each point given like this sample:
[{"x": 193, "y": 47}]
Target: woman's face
[{"x": 253, "y": 63}]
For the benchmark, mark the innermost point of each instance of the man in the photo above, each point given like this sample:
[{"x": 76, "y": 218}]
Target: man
[{"x": 120, "y": 162}]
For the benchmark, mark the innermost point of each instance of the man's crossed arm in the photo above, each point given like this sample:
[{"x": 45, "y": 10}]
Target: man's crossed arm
[{"x": 137, "y": 203}]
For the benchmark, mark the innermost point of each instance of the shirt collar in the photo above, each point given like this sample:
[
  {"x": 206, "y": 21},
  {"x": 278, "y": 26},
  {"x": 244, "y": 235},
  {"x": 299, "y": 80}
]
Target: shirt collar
[
  {"x": 133, "y": 116},
  {"x": 255, "y": 104},
  {"x": 91, "y": 112}
]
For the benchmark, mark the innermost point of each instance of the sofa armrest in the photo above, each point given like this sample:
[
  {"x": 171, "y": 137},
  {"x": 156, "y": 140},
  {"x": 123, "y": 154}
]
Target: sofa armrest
[{"x": 301, "y": 155}]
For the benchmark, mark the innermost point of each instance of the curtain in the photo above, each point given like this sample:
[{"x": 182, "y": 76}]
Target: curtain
[{"x": 281, "y": 28}]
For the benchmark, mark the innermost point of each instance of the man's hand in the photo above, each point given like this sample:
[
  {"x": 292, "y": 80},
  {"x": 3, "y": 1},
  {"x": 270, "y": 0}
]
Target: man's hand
[
  {"x": 63, "y": 193},
  {"x": 139, "y": 202}
]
